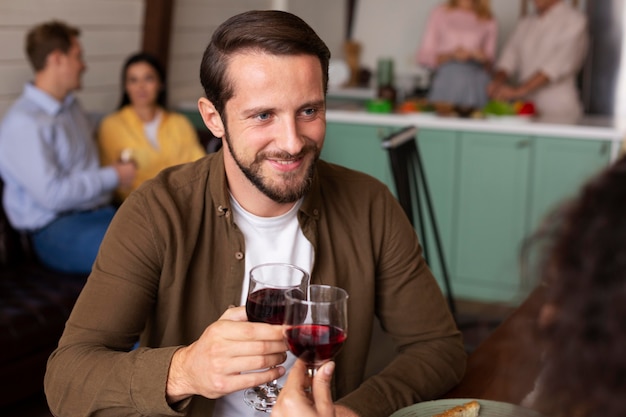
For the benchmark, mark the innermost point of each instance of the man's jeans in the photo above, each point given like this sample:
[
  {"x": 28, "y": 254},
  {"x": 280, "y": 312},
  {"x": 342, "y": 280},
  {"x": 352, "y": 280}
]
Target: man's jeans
[{"x": 71, "y": 242}]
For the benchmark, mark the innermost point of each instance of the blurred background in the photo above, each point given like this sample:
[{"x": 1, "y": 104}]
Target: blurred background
[{"x": 179, "y": 30}]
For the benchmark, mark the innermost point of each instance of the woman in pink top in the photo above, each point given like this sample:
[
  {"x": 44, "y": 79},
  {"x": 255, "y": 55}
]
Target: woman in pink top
[{"x": 459, "y": 46}]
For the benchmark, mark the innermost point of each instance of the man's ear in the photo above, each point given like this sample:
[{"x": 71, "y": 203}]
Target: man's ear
[
  {"x": 211, "y": 117},
  {"x": 54, "y": 58}
]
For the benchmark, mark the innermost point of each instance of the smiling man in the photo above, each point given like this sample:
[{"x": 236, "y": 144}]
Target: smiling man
[{"x": 177, "y": 254}]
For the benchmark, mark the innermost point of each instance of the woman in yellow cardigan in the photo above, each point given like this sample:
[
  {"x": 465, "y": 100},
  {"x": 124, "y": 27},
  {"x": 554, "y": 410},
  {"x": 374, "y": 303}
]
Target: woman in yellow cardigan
[{"x": 142, "y": 129}]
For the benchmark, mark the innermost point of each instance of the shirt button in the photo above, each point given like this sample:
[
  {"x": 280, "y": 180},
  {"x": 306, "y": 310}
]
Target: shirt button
[{"x": 239, "y": 255}]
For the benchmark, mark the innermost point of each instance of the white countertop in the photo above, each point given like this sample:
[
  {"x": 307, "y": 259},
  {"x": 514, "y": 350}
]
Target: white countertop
[{"x": 589, "y": 127}]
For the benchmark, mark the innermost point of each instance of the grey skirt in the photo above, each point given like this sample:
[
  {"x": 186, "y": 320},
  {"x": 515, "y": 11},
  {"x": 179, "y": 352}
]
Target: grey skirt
[{"x": 460, "y": 83}]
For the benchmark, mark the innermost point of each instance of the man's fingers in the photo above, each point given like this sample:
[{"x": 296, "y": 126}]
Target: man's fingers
[{"x": 235, "y": 314}]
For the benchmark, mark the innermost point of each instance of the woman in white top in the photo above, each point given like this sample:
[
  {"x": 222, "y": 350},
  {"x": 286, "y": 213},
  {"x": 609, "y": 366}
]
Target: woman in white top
[{"x": 545, "y": 54}]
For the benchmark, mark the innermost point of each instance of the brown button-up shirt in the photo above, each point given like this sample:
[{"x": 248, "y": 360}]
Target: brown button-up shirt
[{"x": 171, "y": 263}]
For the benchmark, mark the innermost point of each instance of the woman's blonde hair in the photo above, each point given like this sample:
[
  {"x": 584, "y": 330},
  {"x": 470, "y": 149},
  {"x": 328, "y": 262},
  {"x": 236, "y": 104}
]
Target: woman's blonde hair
[{"x": 481, "y": 7}]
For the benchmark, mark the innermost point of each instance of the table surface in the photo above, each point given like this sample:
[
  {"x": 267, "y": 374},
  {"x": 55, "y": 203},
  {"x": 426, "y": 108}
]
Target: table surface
[{"x": 504, "y": 367}]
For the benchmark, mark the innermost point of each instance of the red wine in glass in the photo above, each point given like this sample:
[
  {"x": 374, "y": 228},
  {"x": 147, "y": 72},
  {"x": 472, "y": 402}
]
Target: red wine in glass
[
  {"x": 315, "y": 343},
  {"x": 266, "y": 306},
  {"x": 316, "y": 323}
]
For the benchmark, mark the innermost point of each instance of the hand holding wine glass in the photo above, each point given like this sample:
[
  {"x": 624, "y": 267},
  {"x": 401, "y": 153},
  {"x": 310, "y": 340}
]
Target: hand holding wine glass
[
  {"x": 266, "y": 304},
  {"x": 316, "y": 323}
]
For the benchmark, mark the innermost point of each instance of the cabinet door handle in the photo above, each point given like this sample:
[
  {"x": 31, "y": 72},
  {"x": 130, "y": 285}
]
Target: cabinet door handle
[
  {"x": 604, "y": 149},
  {"x": 524, "y": 143}
]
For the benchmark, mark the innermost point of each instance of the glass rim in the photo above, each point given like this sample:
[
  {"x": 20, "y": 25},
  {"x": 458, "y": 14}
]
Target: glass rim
[
  {"x": 344, "y": 294},
  {"x": 287, "y": 264}
]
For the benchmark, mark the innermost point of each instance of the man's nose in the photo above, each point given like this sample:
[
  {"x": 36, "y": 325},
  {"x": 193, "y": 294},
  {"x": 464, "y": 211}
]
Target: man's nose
[{"x": 288, "y": 137}]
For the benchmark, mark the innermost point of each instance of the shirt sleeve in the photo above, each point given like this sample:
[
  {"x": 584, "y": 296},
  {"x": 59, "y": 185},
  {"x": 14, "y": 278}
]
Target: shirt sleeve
[
  {"x": 94, "y": 371},
  {"x": 191, "y": 143},
  {"x": 430, "y": 357},
  {"x": 429, "y": 48},
  {"x": 491, "y": 40},
  {"x": 570, "y": 45},
  {"x": 509, "y": 56},
  {"x": 30, "y": 157},
  {"x": 110, "y": 140}
]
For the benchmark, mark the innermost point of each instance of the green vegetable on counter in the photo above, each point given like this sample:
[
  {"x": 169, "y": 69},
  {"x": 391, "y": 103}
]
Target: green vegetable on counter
[{"x": 499, "y": 108}]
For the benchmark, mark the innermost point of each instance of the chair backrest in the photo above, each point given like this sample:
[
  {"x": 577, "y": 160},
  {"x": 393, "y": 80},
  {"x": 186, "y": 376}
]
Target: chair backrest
[
  {"x": 402, "y": 150},
  {"x": 208, "y": 141},
  {"x": 11, "y": 242},
  {"x": 413, "y": 194}
]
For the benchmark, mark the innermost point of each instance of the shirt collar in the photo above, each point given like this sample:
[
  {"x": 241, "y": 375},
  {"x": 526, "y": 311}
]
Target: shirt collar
[
  {"x": 553, "y": 10},
  {"x": 44, "y": 100}
]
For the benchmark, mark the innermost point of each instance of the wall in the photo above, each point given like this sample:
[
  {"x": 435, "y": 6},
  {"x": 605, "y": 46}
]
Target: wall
[
  {"x": 195, "y": 20},
  {"x": 110, "y": 30}
]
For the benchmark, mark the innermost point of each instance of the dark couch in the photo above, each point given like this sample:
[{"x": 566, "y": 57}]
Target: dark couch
[{"x": 35, "y": 302}]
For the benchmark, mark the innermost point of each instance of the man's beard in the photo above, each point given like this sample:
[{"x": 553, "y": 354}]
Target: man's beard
[{"x": 290, "y": 193}]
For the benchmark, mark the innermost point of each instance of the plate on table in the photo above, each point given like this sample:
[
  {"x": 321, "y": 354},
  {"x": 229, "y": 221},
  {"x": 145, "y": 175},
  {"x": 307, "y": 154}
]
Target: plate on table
[{"x": 487, "y": 408}]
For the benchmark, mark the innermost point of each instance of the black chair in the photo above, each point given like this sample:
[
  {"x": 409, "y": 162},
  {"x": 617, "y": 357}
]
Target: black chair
[{"x": 413, "y": 192}]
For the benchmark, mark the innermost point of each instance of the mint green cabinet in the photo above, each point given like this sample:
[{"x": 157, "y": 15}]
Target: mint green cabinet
[
  {"x": 560, "y": 167},
  {"x": 439, "y": 153},
  {"x": 490, "y": 214},
  {"x": 358, "y": 147},
  {"x": 489, "y": 191}
]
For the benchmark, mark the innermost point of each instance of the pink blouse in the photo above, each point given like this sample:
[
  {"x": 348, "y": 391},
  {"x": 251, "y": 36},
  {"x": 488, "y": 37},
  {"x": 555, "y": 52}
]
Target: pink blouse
[{"x": 448, "y": 29}]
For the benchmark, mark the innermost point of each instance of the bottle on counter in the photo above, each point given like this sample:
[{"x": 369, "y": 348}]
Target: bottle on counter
[{"x": 386, "y": 83}]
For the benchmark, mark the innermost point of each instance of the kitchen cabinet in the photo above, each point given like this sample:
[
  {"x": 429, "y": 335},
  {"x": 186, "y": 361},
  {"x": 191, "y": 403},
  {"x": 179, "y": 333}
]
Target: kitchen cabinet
[
  {"x": 490, "y": 212},
  {"x": 358, "y": 147},
  {"x": 489, "y": 192},
  {"x": 560, "y": 167}
]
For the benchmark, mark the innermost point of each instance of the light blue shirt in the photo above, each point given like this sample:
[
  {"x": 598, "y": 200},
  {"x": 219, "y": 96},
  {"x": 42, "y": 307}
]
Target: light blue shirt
[{"x": 49, "y": 160}]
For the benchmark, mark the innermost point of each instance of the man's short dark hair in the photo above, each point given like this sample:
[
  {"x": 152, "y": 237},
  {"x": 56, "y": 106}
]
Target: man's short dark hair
[
  {"x": 270, "y": 31},
  {"x": 47, "y": 37}
]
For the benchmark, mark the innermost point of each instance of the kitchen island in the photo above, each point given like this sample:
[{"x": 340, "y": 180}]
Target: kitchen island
[{"x": 492, "y": 183}]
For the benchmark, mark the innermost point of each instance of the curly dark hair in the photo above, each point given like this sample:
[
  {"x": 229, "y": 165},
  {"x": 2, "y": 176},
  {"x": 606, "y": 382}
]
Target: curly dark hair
[{"x": 585, "y": 272}]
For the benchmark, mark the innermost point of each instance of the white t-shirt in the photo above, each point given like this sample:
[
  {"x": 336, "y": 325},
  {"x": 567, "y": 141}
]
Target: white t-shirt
[{"x": 268, "y": 239}]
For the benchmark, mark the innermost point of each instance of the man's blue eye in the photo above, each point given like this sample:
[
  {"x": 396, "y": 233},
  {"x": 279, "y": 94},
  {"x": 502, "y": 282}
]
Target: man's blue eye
[
  {"x": 309, "y": 112},
  {"x": 264, "y": 116}
]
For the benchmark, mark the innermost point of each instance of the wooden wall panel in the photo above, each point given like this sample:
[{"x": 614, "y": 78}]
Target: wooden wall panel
[
  {"x": 110, "y": 31},
  {"x": 193, "y": 23}
]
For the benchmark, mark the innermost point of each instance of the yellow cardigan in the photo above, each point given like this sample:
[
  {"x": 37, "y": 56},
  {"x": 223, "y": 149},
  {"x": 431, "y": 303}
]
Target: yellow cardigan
[{"x": 178, "y": 143}]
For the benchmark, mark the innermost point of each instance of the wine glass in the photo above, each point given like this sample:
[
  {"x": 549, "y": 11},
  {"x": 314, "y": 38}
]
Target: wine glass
[
  {"x": 266, "y": 304},
  {"x": 316, "y": 323}
]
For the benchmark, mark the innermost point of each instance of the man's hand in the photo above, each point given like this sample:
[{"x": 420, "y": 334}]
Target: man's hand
[
  {"x": 218, "y": 363},
  {"x": 126, "y": 173}
]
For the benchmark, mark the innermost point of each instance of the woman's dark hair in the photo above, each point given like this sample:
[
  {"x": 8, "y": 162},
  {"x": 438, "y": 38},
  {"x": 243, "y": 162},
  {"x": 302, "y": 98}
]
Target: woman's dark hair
[
  {"x": 584, "y": 269},
  {"x": 154, "y": 63},
  {"x": 271, "y": 31}
]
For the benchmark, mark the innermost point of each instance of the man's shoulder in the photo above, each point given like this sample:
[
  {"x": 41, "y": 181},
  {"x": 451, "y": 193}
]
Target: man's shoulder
[
  {"x": 23, "y": 113},
  {"x": 184, "y": 178}
]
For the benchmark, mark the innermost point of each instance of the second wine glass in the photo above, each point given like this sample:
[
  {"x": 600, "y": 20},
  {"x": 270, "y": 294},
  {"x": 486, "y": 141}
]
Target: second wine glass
[
  {"x": 266, "y": 304},
  {"x": 316, "y": 323}
]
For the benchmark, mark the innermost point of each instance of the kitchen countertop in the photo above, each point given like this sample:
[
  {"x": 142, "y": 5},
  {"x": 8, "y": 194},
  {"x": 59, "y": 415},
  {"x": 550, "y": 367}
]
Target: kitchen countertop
[{"x": 345, "y": 109}]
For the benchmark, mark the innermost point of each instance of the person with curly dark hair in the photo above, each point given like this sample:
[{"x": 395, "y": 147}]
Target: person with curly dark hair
[{"x": 583, "y": 322}]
